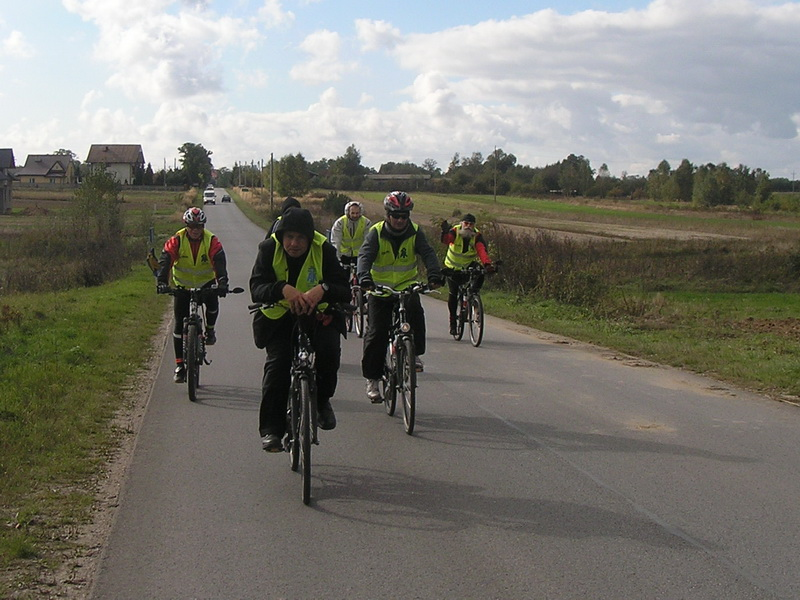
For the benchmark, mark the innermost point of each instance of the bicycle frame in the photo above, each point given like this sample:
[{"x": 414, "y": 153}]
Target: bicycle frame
[
  {"x": 400, "y": 375},
  {"x": 301, "y": 410}
]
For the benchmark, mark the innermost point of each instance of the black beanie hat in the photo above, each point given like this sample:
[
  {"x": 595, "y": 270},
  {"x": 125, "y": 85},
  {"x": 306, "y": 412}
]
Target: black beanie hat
[
  {"x": 289, "y": 203},
  {"x": 468, "y": 218},
  {"x": 295, "y": 219}
]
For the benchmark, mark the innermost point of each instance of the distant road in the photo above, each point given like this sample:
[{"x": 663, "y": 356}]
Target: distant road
[{"x": 539, "y": 468}]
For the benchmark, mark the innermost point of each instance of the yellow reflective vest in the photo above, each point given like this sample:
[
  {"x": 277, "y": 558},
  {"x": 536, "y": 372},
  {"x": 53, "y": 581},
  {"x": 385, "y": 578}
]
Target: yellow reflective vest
[
  {"x": 396, "y": 271},
  {"x": 190, "y": 271},
  {"x": 351, "y": 244},
  {"x": 458, "y": 258},
  {"x": 309, "y": 276}
]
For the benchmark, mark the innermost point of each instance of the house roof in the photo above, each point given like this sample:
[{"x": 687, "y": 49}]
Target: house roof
[
  {"x": 115, "y": 154},
  {"x": 6, "y": 158},
  {"x": 44, "y": 164}
]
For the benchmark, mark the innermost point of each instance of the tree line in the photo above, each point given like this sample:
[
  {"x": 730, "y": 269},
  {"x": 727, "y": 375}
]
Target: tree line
[{"x": 499, "y": 173}]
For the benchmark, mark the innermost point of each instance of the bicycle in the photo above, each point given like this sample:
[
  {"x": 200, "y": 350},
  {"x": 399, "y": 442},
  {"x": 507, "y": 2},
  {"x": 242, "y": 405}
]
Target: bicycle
[
  {"x": 399, "y": 369},
  {"x": 357, "y": 318},
  {"x": 194, "y": 341},
  {"x": 470, "y": 305},
  {"x": 301, "y": 412}
]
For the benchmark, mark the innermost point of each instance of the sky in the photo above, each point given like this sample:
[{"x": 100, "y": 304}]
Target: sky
[{"x": 622, "y": 83}]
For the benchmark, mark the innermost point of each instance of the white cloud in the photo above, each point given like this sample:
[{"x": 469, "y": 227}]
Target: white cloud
[
  {"x": 375, "y": 35},
  {"x": 272, "y": 14},
  {"x": 16, "y": 46},
  {"x": 158, "y": 55},
  {"x": 323, "y": 48}
]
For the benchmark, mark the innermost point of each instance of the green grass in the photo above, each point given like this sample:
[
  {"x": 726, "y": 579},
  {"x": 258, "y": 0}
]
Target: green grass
[{"x": 67, "y": 358}]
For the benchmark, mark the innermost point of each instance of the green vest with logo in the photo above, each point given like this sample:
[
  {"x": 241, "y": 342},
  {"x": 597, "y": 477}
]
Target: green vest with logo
[
  {"x": 309, "y": 276},
  {"x": 190, "y": 271},
  {"x": 458, "y": 258},
  {"x": 396, "y": 271}
]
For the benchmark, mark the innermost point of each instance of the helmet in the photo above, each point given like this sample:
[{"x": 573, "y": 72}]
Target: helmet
[
  {"x": 398, "y": 201},
  {"x": 194, "y": 216}
]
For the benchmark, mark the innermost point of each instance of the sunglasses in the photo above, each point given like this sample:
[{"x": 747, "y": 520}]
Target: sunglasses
[
  {"x": 398, "y": 215},
  {"x": 195, "y": 226}
]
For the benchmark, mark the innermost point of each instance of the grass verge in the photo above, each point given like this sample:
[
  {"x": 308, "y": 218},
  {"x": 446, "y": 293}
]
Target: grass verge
[{"x": 68, "y": 359}]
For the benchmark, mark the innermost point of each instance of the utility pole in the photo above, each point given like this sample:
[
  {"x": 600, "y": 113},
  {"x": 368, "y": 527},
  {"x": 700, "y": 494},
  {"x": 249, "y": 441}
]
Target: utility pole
[
  {"x": 271, "y": 182},
  {"x": 495, "y": 174}
]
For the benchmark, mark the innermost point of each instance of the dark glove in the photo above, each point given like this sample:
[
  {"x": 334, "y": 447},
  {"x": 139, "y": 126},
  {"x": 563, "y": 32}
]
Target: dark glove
[
  {"x": 445, "y": 226},
  {"x": 490, "y": 268},
  {"x": 367, "y": 284},
  {"x": 161, "y": 288},
  {"x": 435, "y": 282},
  {"x": 222, "y": 287}
]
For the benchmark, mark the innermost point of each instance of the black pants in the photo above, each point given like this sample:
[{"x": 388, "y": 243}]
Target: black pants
[
  {"x": 377, "y": 337},
  {"x": 453, "y": 283},
  {"x": 276, "y": 382},
  {"x": 181, "y": 311}
]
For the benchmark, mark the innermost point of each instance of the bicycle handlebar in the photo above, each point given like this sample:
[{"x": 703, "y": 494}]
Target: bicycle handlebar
[
  {"x": 415, "y": 288},
  {"x": 171, "y": 291}
]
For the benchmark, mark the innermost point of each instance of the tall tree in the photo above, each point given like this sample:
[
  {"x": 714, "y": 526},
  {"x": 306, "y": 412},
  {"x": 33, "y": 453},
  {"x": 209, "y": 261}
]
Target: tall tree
[
  {"x": 292, "y": 176},
  {"x": 195, "y": 164}
]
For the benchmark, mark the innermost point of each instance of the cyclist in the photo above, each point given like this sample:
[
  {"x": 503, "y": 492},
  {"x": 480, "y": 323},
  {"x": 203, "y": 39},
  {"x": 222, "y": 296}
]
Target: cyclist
[
  {"x": 389, "y": 257},
  {"x": 348, "y": 231},
  {"x": 194, "y": 257},
  {"x": 296, "y": 268},
  {"x": 465, "y": 245},
  {"x": 288, "y": 203}
]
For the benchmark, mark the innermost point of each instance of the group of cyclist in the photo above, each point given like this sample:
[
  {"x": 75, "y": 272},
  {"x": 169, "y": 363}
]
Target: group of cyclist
[{"x": 297, "y": 271}]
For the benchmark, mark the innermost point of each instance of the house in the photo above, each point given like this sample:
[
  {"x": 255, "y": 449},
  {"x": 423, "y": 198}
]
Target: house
[
  {"x": 6, "y": 178},
  {"x": 47, "y": 169},
  {"x": 122, "y": 161}
]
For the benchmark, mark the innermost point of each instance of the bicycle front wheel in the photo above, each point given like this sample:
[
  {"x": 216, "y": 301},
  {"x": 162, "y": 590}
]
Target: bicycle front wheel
[
  {"x": 461, "y": 317},
  {"x": 358, "y": 315},
  {"x": 389, "y": 381},
  {"x": 191, "y": 359},
  {"x": 294, "y": 424},
  {"x": 407, "y": 377},
  {"x": 306, "y": 432},
  {"x": 476, "y": 319}
]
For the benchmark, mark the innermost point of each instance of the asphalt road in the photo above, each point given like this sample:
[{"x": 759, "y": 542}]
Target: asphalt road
[{"x": 539, "y": 468}]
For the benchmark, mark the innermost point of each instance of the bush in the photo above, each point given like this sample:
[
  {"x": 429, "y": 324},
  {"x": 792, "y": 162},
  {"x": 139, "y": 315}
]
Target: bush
[{"x": 334, "y": 203}]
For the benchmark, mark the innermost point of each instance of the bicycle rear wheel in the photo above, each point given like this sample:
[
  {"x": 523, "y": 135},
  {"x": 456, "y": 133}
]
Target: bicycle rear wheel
[
  {"x": 191, "y": 359},
  {"x": 475, "y": 319},
  {"x": 461, "y": 317},
  {"x": 306, "y": 432},
  {"x": 389, "y": 382},
  {"x": 407, "y": 373},
  {"x": 294, "y": 425}
]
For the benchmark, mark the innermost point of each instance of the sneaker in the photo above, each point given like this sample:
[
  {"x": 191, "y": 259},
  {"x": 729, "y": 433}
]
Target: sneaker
[
  {"x": 418, "y": 364},
  {"x": 325, "y": 417},
  {"x": 272, "y": 443},
  {"x": 180, "y": 374},
  {"x": 211, "y": 337},
  {"x": 373, "y": 391},
  {"x": 453, "y": 330}
]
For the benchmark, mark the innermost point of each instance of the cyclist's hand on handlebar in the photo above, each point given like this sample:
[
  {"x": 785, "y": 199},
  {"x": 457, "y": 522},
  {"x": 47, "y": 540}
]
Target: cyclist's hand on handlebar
[
  {"x": 299, "y": 303},
  {"x": 367, "y": 284},
  {"x": 490, "y": 268},
  {"x": 435, "y": 282},
  {"x": 161, "y": 288},
  {"x": 222, "y": 287}
]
